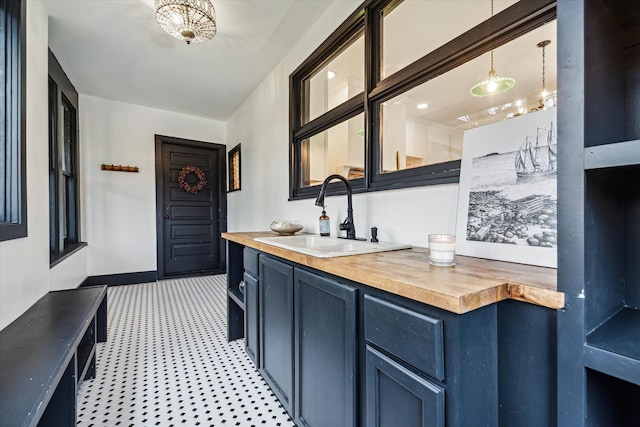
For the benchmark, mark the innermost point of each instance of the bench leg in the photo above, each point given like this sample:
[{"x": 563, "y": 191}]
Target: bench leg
[
  {"x": 61, "y": 410},
  {"x": 101, "y": 320},
  {"x": 91, "y": 370}
]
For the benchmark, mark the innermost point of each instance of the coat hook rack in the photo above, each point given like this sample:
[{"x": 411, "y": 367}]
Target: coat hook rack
[{"x": 119, "y": 168}]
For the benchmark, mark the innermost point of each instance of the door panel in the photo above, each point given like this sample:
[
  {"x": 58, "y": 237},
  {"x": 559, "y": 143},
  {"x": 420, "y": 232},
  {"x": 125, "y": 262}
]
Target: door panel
[
  {"x": 191, "y": 230},
  {"x": 276, "y": 328},
  {"x": 396, "y": 396},
  {"x": 325, "y": 351},
  {"x": 182, "y": 251},
  {"x": 179, "y": 195},
  {"x": 190, "y": 224},
  {"x": 204, "y": 213}
]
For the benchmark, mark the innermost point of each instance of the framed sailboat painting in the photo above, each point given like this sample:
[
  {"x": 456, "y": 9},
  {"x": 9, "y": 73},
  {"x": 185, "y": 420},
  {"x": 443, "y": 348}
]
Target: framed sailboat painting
[{"x": 507, "y": 202}]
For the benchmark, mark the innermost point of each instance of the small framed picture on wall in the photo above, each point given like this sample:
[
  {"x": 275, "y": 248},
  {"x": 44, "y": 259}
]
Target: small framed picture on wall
[{"x": 234, "y": 168}]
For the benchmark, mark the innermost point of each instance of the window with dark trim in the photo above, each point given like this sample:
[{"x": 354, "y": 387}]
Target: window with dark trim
[
  {"x": 64, "y": 211},
  {"x": 354, "y": 118},
  {"x": 13, "y": 183}
]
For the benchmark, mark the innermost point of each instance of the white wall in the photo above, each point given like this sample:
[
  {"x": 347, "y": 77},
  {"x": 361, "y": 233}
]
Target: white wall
[
  {"x": 261, "y": 124},
  {"x": 24, "y": 263},
  {"x": 70, "y": 272},
  {"x": 118, "y": 209}
]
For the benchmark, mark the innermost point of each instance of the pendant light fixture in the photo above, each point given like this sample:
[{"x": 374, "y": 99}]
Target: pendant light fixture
[
  {"x": 190, "y": 20},
  {"x": 544, "y": 92},
  {"x": 495, "y": 84}
]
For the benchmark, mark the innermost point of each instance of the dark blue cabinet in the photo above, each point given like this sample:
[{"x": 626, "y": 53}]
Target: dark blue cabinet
[
  {"x": 338, "y": 353},
  {"x": 276, "y": 328},
  {"x": 396, "y": 396},
  {"x": 325, "y": 351}
]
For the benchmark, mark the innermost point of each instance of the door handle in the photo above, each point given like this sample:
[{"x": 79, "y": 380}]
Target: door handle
[{"x": 167, "y": 212}]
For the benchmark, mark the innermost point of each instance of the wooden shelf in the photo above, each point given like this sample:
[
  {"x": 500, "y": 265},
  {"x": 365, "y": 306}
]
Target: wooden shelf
[
  {"x": 614, "y": 347},
  {"x": 612, "y": 155}
]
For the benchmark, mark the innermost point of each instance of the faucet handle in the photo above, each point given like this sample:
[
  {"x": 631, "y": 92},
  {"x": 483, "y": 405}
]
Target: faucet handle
[{"x": 345, "y": 224}]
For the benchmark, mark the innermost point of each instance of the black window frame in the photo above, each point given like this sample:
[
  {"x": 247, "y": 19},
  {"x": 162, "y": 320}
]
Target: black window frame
[
  {"x": 507, "y": 25},
  {"x": 64, "y": 183},
  {"x": 231, "y": 171},
  {"x": 13, "y": 175}
]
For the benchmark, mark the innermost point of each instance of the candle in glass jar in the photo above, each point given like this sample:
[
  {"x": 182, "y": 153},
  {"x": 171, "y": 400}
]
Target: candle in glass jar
[{"x": 442, "y": 249}]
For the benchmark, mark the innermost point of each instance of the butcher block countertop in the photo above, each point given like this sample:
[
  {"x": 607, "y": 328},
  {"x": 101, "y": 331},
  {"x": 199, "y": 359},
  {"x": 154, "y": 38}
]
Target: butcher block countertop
[{"x": 473, "y": 283}]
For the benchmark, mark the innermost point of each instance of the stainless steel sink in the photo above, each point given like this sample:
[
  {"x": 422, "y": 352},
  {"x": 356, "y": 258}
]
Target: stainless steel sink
[{"x": 329, "y": 247}]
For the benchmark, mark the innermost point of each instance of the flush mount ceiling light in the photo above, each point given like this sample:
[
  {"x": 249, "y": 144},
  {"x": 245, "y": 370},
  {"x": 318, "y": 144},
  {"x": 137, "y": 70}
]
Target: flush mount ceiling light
[
  {"x": 495, "y": 84},
  {"x": 188, "y": 20}
]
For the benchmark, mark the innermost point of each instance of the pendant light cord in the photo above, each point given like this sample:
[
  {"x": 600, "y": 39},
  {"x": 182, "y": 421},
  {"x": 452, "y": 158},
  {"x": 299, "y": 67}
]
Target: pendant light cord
[
  {"x": 492, "y": 49},
  {"x": 544, "y": 86}
]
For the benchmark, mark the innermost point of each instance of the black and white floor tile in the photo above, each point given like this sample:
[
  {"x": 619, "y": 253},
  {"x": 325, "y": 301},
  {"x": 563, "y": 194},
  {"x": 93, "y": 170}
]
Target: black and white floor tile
[{"x": 167, "y": 362}]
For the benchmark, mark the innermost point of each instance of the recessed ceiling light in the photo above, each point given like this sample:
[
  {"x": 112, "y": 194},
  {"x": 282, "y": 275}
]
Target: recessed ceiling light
[
  {"x": 330, "y": 74},
  {"x": 423, "y": 106}
]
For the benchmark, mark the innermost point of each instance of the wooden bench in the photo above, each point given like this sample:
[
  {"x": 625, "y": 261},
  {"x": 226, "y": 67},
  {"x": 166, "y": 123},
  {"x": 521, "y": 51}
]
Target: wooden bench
[{"x": 46, "y": 352}]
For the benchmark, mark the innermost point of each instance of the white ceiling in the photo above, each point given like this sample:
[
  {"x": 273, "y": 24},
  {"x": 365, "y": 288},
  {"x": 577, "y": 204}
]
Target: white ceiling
[{"x": 115, "y": 49}]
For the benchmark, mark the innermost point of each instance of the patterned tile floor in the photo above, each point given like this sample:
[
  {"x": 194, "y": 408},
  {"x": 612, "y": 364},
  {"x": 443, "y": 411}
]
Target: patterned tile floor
[{"x": 167, "y": 362}]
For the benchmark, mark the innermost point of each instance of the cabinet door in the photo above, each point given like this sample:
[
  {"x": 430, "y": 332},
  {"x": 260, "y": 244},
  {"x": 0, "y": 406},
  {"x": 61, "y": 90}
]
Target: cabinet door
[
  {"x": 397, "y": 396},
  {"x": 325, "y": 356},
  {"x": 276, "y": 328},
  {"x": 251, "y": 339}
]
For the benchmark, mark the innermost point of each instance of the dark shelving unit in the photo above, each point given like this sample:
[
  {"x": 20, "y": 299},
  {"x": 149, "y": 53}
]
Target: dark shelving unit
[
  {"x": 599, "y": 211},
  {"x": 617, "y": 401},
  {"x": 612, "y": 155},
  {"x": 235, "y": 298}
]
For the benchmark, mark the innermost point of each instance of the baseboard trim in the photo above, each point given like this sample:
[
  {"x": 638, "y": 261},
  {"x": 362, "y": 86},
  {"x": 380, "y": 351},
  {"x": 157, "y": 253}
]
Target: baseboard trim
[{"x": 121, "y": 279}]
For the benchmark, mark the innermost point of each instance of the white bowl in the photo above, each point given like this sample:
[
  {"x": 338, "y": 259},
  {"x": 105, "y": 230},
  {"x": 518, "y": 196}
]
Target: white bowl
[{"x": 286, "y": 227}]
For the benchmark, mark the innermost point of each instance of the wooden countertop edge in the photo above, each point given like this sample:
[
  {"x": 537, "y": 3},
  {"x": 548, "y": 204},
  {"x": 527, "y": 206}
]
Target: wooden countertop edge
[
  {"x": 458, "y": 304},
  {"x": 534, "y": 295}
]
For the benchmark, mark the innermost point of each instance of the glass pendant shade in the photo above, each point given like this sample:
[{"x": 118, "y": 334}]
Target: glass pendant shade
[
  {"x": 190, "y": 20},
  {"x": 494, "y": 85}
]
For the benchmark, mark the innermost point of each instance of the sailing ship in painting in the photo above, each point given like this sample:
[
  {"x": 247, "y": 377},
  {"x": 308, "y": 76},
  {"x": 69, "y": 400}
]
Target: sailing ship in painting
[{"x": 537, "y": 157}]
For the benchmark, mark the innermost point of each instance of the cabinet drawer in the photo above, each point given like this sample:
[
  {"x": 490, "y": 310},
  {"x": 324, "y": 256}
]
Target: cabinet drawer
[
  {"x": 413, "y": 337},
  {"x": 251, "y": 261}
]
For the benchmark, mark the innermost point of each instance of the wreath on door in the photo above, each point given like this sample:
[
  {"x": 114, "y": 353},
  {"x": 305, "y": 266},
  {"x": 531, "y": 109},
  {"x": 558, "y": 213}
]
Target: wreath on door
[{"x": 193, "y": 189}]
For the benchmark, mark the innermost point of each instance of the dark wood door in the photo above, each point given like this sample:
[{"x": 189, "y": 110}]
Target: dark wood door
[{"x": 190, "y": 224}]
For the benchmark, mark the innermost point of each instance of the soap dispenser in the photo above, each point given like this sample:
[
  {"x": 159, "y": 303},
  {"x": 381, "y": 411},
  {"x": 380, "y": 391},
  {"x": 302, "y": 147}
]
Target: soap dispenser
[{"x": 325, "y": 223}]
